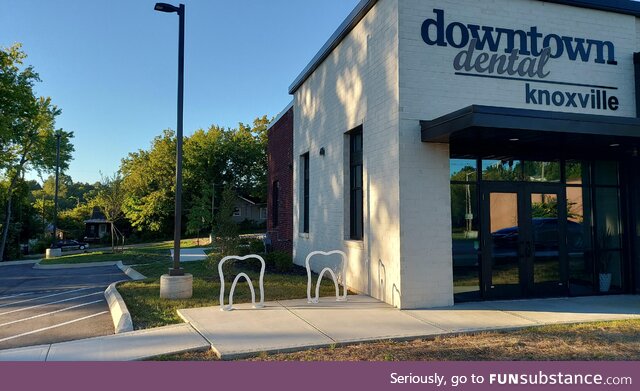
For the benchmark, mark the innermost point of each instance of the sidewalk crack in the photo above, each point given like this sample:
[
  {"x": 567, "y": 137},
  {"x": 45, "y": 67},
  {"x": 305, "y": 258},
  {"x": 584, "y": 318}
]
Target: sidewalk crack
[{"x": 307, "y": 322}]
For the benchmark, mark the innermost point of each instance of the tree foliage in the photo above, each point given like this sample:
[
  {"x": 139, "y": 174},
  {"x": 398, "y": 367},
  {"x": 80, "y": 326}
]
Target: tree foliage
[
  {"x": 226, "y": 232},
  {"x": 27, "y": 130},
  {"x": 149, "y": 183},
  {"x": 214, "y": 156},
  {"x": 110, "y": 200}
]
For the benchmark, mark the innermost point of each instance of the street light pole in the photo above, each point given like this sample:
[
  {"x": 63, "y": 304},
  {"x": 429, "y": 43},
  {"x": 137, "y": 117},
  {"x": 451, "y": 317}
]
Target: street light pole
[
  {"x": 55, "y": 197},
  {"x": 180, "y": 10}
]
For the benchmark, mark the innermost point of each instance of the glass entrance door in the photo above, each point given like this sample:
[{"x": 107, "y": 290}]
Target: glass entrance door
[{"x": 522, "y": 246}]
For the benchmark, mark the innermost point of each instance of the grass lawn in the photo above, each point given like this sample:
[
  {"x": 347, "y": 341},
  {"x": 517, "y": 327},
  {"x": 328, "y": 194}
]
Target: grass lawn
[
  {"x": 148, "y": 310},
  {"x": 155, "y": 252},
  {"x": 617, "y": 340},
  {"x": 143, "y": 297}
]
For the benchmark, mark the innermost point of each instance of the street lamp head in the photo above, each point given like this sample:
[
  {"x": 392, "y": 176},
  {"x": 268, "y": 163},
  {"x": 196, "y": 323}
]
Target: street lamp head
[{"x": 164, "y": 7}]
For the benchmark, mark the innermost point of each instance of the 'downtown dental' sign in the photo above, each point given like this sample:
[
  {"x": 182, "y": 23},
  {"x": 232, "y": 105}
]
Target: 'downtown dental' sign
[{"x": 525, "y": 57}]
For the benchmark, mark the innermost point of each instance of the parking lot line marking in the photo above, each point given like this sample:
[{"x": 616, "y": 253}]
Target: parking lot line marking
[
  {"x": 51, "y": 302},
  {"x": 49, "y": 313},
  {"x": 45, "y": 296},
  {"x": 18, "y": 294},
  {"x": 52, "y": 327},
  {"x": 27, "y": 294}
]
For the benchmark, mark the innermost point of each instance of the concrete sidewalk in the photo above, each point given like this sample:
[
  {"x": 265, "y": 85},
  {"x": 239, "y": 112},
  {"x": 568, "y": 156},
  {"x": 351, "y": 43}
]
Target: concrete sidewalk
[
  {"x": 295, "y": 325},
  {"x": 135, "y": 345},
  {"x": 191, "y": 254}
]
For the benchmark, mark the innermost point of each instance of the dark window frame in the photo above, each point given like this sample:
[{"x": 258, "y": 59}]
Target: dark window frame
[
  {"x": 305, "y": 192},
  {"x": 356, "y": 195}
]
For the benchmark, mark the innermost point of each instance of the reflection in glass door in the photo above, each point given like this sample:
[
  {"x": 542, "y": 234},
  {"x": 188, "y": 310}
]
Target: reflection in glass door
[
  {"x": 503, "y": 245},
  {"x": 523, "y": 251},
  {"x": 543, "y": 246}
]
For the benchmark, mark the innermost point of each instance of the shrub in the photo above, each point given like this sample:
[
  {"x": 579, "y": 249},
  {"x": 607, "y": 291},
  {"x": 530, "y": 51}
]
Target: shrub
[
  {"x": 280, "y": 261},
  {"x": 256, "y": 247},
  {"x": 40, "y": 246}
]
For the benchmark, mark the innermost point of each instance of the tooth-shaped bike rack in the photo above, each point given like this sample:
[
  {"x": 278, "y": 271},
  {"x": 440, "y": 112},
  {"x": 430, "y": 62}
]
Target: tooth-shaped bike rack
[
  {"x": 235, "y": 281},
  {"x": 331, "y": 272}
]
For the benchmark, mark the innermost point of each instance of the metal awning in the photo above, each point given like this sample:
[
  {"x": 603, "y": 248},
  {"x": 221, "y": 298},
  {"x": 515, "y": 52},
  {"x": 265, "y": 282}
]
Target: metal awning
[{"x": 485, "y": 128}]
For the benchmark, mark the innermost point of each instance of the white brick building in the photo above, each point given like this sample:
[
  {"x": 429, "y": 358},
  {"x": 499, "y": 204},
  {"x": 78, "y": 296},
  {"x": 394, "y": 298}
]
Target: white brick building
[{"x": 499, "y": 149}]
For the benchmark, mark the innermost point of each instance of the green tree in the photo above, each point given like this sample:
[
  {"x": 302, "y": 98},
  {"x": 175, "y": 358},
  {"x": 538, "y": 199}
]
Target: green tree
[
  {"x": 226, "y": 235},
  {"x": 110, "y": 200},
  {"x": 200, "y": 215},
  {"x": 17, "y": 103},
  {"x": 149, "y": 185},
  {"x": 27, "y": 130}
]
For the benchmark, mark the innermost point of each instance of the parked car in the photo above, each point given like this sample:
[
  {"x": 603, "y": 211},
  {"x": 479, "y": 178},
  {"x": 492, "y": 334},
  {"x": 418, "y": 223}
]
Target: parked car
[
  {"x": 69, "y": 245},
  {"x": 545, "y": 238}
]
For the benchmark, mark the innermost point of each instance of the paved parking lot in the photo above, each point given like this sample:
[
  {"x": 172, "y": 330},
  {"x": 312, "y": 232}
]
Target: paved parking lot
[{"x": 47, "y": 306}]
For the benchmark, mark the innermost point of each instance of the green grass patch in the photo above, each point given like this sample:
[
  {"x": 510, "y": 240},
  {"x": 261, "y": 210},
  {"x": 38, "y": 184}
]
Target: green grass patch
[
  {"x": 153, "y": 252},
  {"x": 128, "y": 257},
  {"x": 148, "y": 310}
]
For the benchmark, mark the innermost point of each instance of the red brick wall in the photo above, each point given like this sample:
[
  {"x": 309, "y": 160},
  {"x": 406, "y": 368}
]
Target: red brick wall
[{"x": 280, "y": 158}]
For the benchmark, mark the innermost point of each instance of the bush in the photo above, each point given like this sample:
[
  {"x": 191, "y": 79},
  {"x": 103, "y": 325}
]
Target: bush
[
  {"x": 256, "y": 247},
  {"x": 280, "y": 261},
  {"x": 40, "y": 246}
]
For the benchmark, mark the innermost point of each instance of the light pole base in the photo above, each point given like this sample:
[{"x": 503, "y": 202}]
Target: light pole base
[
  {"x": 53, "y": 253},
  {"x": 176, "y": 287}
]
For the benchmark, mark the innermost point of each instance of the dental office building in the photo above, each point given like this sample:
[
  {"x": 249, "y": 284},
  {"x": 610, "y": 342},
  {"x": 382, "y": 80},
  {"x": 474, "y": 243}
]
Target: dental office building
[{"x": 468, "y": 150}]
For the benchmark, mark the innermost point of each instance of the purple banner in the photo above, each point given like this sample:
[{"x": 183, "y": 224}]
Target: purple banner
[{"x": 325, "y": 376}]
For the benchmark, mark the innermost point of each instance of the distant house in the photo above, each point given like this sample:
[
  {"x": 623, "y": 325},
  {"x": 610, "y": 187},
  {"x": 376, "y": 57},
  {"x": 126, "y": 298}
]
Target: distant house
[
  {"x": 249, "y": 209},
  {"x": 96, "y": 227}
]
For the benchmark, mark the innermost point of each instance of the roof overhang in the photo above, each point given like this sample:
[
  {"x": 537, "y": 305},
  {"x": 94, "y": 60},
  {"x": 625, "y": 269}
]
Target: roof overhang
[{"x": 490, "y": 128}]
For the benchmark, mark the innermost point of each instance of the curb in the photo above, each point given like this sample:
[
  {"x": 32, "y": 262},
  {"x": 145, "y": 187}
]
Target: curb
[
  {"x": 120, "y": 315},
  {"x": 131, "y": 272},
  {"x": 13, "y": 263},
  {"x": 76, "y": 265}
]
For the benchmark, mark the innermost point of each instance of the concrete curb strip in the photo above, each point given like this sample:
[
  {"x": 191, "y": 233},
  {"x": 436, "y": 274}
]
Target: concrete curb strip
[
  {"x": 120, "y": 315},
  {"x": 76, "y": 265},
  {"x": 131, "y": 272},
  {"x": 14, "y": 263},
  {"x": 122, "y": 322}
]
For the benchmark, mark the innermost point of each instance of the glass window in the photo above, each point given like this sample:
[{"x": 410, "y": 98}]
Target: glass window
[
  {"x": 541, "y": 171},
  {"x": 607, "y": 218},
  {"x": 466, "y": 247},
  {"x": 606, "y": 173},
  {"x": 608, "y": 237},
  {"x": 355, "y": 180},
  {"x": 463, "y": 170},
  {"x": 579, "y": 243},
  {"x": 577, "y": 173},
  {"x": 305, "y": 192},
  {"x": 501, "y": 170}
]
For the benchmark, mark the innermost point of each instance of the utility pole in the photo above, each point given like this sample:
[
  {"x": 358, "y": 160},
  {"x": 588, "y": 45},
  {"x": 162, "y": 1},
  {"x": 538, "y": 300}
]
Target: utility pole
[{"x": 55, "y": 197}]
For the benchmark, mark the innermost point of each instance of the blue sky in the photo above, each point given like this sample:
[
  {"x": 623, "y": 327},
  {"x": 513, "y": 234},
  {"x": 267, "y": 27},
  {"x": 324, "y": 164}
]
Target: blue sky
[{"x": 111, "y": 66}]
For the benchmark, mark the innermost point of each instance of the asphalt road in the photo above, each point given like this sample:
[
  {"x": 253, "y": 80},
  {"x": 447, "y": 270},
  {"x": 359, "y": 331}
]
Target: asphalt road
[{"x": 39, "y": 306}]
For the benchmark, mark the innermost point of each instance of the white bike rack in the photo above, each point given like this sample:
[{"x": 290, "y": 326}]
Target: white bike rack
[
  {"x": 235, "y": 281},
  {"x": 331, "y": 272}
]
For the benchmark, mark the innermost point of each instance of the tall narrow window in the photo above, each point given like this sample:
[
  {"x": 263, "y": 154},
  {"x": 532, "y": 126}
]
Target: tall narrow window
[
  {"x": 275, "y": 195},
  {"x": 355, "y": 180},
  {"x": 305, "y": 193}
]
